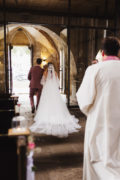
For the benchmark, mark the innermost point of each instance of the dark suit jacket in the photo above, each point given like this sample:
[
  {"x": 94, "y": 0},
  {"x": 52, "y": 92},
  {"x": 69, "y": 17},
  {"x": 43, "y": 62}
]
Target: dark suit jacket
[{"x": 35, "y": 75}]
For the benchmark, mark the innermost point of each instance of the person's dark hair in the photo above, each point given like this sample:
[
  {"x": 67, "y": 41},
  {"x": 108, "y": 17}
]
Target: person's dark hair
[
  {"x": 50, "y": 63},
  {"x": 38, "y": 60},
  {"x": 111, "y": 46}
]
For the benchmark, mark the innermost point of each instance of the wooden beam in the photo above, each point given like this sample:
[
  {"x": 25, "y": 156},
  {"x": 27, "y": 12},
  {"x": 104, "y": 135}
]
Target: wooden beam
[
  {"x": 117, "y": 17},
  {"x": 68, "y": 43},
  {"x": 16, "y": 2},
  {"x": 106, "y": 8},
  {"x": 5, "y": 48},
  {"x": 33, "y": 12}
]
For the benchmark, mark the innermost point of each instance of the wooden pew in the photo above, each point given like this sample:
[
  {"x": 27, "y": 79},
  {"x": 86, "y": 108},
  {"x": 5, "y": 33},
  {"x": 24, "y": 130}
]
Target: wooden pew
[
  {"x": 7, "y": 112},
  {"x": 13, "y": 157}
]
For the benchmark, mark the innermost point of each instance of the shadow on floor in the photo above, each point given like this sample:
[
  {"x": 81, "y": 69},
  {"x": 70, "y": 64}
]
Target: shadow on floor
[
  {"x": 59, "y": 160},
  {"x": 44, "y": 140}
]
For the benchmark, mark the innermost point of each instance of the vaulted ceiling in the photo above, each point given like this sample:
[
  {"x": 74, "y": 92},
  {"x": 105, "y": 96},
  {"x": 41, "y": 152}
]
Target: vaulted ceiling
[{"x": 86, "y": 8}]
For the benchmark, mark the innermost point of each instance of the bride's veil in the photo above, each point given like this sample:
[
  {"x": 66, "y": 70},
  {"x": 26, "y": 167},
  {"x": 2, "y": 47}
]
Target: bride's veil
[
  {"x": 50, "y": 75},
  {"x": 51, "y": 72},
  {"x": 52, "y": 116}
]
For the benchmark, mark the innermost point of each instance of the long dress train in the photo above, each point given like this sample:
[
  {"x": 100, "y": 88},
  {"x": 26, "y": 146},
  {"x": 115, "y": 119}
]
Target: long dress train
[{"x": 52, "y": 116}]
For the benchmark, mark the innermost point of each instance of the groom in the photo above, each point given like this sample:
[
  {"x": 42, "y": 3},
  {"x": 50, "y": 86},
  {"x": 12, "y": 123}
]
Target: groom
[{"x": 35, "y": 76}]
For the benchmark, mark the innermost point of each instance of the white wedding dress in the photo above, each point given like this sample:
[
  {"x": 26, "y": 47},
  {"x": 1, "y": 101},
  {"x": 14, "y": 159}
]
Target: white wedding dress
[{"x": 52, "y": 116}]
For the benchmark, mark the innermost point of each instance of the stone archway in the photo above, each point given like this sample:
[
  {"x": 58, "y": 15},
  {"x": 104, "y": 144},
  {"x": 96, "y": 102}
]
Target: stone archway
[
  {"x": 46, "y": 44},
  {"x": 19, "y": 40}
]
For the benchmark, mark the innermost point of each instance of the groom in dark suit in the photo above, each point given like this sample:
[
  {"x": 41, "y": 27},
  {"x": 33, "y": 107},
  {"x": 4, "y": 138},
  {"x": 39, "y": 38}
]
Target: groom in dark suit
[{"x": 35, "y": 76}]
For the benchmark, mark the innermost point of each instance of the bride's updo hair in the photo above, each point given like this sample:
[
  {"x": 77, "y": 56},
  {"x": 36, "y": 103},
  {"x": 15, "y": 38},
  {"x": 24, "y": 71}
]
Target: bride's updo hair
[
  {"x": 50, "y": 63},
  {"x": 50, "y": 68}
]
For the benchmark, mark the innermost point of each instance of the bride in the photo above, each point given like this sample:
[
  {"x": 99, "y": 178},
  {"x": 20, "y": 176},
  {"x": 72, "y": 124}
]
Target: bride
[{"x": 52, "y": 116}]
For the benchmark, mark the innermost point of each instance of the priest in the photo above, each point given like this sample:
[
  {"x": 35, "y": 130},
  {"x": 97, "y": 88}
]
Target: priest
[{"x": 99, "y": 99}]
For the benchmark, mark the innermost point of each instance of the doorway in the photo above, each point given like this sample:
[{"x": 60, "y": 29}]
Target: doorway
[{"x": 21, "y": 64}]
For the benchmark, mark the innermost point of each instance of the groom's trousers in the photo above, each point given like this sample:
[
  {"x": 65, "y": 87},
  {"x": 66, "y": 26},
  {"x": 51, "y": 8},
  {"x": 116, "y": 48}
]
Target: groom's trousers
[{"x": 37, "y": 92}]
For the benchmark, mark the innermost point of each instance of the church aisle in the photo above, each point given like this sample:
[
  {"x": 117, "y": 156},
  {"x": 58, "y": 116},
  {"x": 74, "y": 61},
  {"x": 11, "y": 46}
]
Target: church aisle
[{"x": 59, "y": 159}]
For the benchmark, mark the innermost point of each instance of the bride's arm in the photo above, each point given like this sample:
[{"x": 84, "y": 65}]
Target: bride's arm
[
  {"x": 45, "y": 74},
  {"x": 43, "y": 80}
]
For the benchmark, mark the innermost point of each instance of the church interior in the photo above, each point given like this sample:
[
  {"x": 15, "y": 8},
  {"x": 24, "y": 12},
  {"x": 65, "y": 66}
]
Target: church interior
[{"x": 67, "y": 33}]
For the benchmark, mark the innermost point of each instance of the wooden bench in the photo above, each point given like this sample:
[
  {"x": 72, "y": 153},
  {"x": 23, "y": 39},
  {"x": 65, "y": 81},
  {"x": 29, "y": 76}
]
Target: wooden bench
[{"x": 13, "y": 156}]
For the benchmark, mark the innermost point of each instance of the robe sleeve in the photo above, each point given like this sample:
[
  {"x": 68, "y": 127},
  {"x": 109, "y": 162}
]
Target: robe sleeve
[{"x": 87, "y": 91}]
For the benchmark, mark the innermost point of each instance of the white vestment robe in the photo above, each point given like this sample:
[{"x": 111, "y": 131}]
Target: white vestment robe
[{"x": 99, "y": 99}]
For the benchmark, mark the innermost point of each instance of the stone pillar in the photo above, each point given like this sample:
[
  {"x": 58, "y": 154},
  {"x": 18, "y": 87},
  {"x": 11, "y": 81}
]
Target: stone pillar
[{"x": 61, "y": 70}]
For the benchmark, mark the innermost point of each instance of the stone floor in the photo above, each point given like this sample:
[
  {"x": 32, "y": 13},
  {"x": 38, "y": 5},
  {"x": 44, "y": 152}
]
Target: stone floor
[{"x": 57, "y": 158}]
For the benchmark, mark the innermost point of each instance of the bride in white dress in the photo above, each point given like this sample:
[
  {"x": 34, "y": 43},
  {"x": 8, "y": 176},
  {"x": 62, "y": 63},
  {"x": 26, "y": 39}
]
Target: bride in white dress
[{"x": 52, "y": 116}]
